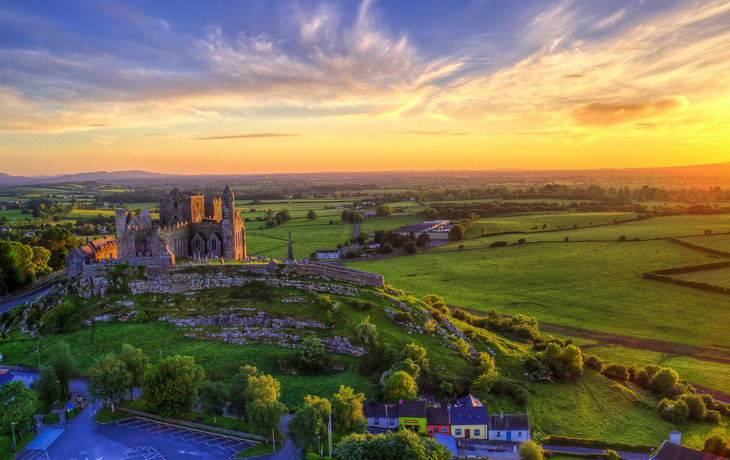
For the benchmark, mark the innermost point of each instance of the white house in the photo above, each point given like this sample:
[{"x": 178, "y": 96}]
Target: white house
[
  {"x": 381, "y": 415},
  {"x": 328, "y": 254},
  {"x": 515, "y": 428}
]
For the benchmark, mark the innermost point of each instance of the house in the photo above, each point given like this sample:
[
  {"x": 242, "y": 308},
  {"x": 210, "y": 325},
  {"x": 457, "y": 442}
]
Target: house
[
  {"x": 437, "y": 421},
  {"x": 93, "y": 251},
  {"x": 381, "y": 415},
  {"x": 509, "y": 427},
  {"x": 412, "y": 416},
  {"x": 328, "y": 254},
  {"x": 469, "y": 419},
  {"x": 671, "y": 451}
]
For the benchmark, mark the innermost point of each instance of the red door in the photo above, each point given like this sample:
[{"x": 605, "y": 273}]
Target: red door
[{"x": 467, "y": 433}]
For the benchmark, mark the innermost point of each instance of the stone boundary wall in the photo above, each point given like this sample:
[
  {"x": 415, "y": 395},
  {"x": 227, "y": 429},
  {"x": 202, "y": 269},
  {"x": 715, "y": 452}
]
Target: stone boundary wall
[
  {"x": 181, "y": 278},
  {"x": 716, "y": 252},
  {"x": 194, "y": 425}
]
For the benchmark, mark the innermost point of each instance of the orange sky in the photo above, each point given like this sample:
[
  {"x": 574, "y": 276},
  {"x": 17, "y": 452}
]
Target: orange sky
[{"x": 614, "y": 91}]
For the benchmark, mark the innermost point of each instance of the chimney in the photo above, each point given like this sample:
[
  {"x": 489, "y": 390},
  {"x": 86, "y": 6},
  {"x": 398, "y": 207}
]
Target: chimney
[
  {"x": 501, "y": 414},
  {"x": 448, "y": 407},
  {"x": 675, "y": 437}
]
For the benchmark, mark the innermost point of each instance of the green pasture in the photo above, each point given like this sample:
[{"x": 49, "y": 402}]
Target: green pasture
[
  {"x": 592, "y": 286},
  {"x": 719, "y": 241},
  {"x": 15, "y": 214},
  {"x": 393, "y": 222},
  {"x": 307, "y": 237},
  {"x": 524, "y": 223},
  {"x": 716, "y": 277}
]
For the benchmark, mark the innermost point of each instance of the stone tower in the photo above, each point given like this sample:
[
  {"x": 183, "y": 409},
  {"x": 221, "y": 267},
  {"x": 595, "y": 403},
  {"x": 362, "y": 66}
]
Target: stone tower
[
  {"x": 146, "y": 218},
  {"x": 231, "y": 227}
]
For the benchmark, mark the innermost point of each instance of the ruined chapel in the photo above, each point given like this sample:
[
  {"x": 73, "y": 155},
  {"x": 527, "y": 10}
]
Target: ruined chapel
[{"x": 190, "y": 226}]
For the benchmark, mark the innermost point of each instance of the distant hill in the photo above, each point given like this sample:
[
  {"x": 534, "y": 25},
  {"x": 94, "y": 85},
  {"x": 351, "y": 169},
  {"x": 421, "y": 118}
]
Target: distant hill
[{"x": 707, "y": 172}]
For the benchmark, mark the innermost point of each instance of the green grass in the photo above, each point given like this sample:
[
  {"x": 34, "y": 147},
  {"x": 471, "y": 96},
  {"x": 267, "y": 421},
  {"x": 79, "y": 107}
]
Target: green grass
[
  {"x": 15, "y": 214},
  {"x": 716, "y": 277},
  {"x": 719, "y": 241},
  {"x": 705, "y": 373},
  {"x": 524, "y": 223},
  {"x": 597, "y": 408},
  {"x": 307, "y": 237},
  {"x": 625, "y": 355},
  {"x": 259, "y": 449},
  {"x": 106, "y": 415}
]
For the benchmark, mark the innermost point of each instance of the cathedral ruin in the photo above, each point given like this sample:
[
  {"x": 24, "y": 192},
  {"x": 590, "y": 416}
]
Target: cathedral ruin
[{"x": 190, "y": 226}]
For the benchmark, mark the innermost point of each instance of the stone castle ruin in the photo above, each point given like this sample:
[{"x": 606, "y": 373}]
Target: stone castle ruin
[{"x": 190, "y": 226}]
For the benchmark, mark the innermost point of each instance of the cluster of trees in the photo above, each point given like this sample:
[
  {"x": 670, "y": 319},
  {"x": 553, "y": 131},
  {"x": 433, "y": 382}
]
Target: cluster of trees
[
  {"x": 18, "y": 403},
  {"x": 402, "y": 444},
  {"x": 21, "y": 265},
  {"x": 520, "y": 326},
  {"x": 410, "y": 242},
  {"x": 400, "y": 381},
  {"x": 279, "y": 218},
  {"x": 353, "y": 217},
  {"x": 458, "y": 231},
  {"x": 309, "y": 424},
  {"x": 556, "y": 362}
]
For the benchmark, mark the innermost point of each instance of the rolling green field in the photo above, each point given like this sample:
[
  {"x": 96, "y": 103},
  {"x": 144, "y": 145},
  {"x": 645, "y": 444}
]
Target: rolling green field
[
  {"x": 717, "y": 241},
  {"x": 587, "y": 286},
  {"x": 525, "y": 222},
  {"x": 717, "y": 277},
  {"x": 15, "y": 214}
]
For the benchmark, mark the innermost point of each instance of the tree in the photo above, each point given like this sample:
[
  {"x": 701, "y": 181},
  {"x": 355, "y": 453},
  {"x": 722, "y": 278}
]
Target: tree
[
  {"x": 383, "y": 210},
  {"x": 236, "y": 394},
  {"x": 18, "y": 403},
  {"x": 345, "y": 215},
  {"x": 137, "y": 364},
  {"x": 366, "y": 332},
  {"x": 456, "y": 232},
  {"x": 663, "y": 380},
  {"x": 347, "y": 415},
  {"x": 530, "y": 450},
  {"x": 423, "y": 240},
  {"x": 387, "y": 248},
  {"x": 483, "y": 384},
  {"x": 403, "y": 445},
  {"x": 64, "y": 364},
  {"x": 611, "y": 455},
  {"x": 263, "y": 409},
  {"x": 87, "y": 229},
  {"x": 171, "y": 385},
  {"x": 717, "y": 444},
  {"x": 399, "y": 386},
  {"x": 312, "y": 214},
  {"x": 356, "y": 217},
  {"x": 212, "y": 399},
  {"x": 109, "y": 379},
  {"x": 416, "y": 353},
  {"x": 410, "y": 247},
  {"x": 310, "y": 353},
  {"x": 697, "y": 409},
  {"x": 445, "y": 389},
  {"x": 485, "y": 363},
  {"x": 309, "y": 423},
  {"x": 47, "y": 387}
]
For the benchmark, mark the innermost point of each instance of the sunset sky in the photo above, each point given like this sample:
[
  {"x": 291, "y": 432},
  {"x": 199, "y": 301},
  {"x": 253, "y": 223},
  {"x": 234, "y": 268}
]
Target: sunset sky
[{"x": 263, "y": 86}]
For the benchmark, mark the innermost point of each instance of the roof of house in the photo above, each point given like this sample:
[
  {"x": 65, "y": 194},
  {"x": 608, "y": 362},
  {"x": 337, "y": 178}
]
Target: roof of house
[
  {"x": 6, "y": 378},
  {"x": 377, "y": 410},
  {"x": 416, "y": 409},
  {"x": 469, "y": 410},
  {"x": 437, "y": 416},
  {"x": 99, "y": 242},
  {"x": 509, "y": 422},
  {"x": 671, "y": 451}
]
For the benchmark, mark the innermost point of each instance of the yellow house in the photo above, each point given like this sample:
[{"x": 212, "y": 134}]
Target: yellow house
[{"x": 469, "y": 419}]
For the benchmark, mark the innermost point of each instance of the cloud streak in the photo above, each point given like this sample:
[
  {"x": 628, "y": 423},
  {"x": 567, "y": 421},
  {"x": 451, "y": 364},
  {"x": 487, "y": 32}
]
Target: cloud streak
[{"x": 247, "y": 136}]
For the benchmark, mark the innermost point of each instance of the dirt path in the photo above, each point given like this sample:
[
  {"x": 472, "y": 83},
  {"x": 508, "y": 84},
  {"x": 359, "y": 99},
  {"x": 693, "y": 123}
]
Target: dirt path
[{"x": 715, "y": 353}]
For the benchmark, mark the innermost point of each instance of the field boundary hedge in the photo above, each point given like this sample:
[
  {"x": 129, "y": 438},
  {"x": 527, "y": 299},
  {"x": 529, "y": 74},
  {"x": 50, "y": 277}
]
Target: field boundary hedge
[
  {"x": 596, "y": 444},
  {"x": 578, "y": 455},
  {"x": 663, "y": 275},
  {"x": 716, "y": 252}
]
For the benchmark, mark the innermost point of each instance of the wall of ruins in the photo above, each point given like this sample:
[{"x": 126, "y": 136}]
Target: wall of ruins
[
  {"x": 172, "y": 279},
  {"x": 177, "y": 238},
  {"x": 213, "y": 209}
]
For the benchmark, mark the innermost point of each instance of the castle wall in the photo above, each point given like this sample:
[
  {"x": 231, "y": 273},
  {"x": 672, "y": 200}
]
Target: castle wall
[
  {"x": 213, "y": 209},
  {"x": 172, "y": 279},
  {"x": 176, "y": 238}
]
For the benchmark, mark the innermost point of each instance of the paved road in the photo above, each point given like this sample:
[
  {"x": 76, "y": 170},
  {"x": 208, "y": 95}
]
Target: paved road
[{"x": 8, "y": 304}]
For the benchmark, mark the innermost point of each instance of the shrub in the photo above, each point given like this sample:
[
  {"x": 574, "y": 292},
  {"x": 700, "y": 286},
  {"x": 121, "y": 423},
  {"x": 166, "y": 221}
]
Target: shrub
[
  {"x": 616, "y": 371},
  {"x": 713, "y": 416},
  {"x": 410, "y": 247},
  {"x": 387, "y": 248},
  {"x": 592, "y": 362},
  {"x": 521, "y": 241},
  {"x": 498, "y": 243},
  {"x": 351, "y": 254},
  {"x": 567, "y": 239},
  {"x": 622, "y": 238},
  {"x": 403, "y": 317},
  {"x": 141, "y": 317}
]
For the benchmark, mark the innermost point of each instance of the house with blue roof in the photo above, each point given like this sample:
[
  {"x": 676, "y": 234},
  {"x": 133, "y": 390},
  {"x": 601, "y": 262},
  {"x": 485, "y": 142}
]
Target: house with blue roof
[{"x": 469, "y": 419}]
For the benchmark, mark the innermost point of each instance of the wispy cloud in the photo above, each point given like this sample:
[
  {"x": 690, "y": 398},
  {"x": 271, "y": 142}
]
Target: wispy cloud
[
  {"x": 247, "y": 136},
  {"x": 434, "y": 133}
]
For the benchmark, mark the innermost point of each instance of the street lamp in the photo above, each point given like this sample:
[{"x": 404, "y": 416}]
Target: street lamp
[{"x": 12, "y": 428}]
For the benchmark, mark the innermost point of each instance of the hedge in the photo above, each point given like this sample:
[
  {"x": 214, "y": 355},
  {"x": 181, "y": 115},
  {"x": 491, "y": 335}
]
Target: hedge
[
  {"x": 597, "y": 444},
  {"x": 576, "y": 455}
]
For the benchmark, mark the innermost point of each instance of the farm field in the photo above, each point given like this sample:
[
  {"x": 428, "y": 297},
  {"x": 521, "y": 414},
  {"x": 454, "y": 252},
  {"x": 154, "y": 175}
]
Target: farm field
[
  {"x": 717, "y": 277},
  {"x": 585, "y": 286},
  {"x": 525, "y": 222},
  {"x": 15, "y": 214},
  {"x": 307, "y": 237},
  {"x": 717, "y": 241}
]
